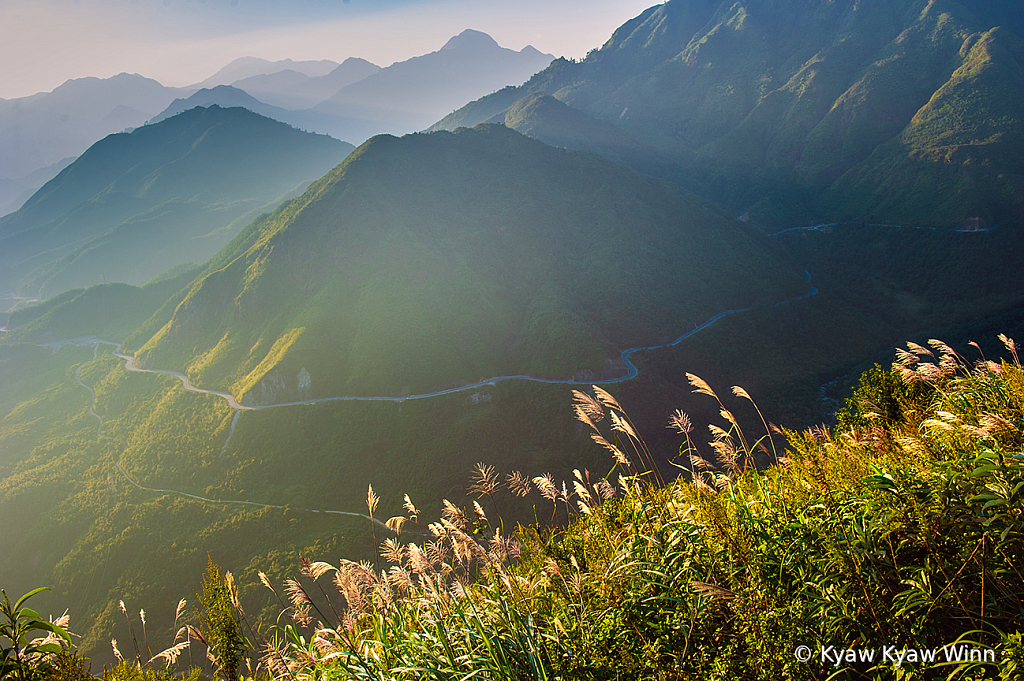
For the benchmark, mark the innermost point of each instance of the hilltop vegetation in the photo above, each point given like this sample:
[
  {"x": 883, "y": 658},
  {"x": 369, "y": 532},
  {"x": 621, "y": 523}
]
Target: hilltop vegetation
[
  {"x": 809, "y": 112},
  {"x": 904, "y": 524}
]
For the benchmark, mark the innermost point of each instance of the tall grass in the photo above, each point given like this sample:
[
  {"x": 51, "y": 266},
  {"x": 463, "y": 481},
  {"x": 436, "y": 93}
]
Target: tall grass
[
  {"x": 900, "y": 528},
  {"x": 897, "y": 536}
]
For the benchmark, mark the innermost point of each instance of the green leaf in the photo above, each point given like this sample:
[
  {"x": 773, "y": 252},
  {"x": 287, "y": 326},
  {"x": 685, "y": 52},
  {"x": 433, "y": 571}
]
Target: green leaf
[
  {"x": 29, "y": 595},
  {"x": 44, "y": 648}
]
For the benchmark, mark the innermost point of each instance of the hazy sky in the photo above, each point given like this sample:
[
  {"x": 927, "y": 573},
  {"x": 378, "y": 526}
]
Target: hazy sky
[{"x": 180, "y": 42}]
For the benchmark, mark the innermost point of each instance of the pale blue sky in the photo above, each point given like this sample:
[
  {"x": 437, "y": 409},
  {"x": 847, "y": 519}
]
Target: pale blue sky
[{"x": 179, "y": 42}]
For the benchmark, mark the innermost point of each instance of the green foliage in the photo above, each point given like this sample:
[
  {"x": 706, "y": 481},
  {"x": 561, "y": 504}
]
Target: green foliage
[
  {"x": 219, "y": 621},
  {"x": 22, "y": 659},
  {"x": 885, "y": 400},
  {"x": 908, "y": 536},
  {"x": 68, "y": 665},
  {"x": 130, "y": 671}
]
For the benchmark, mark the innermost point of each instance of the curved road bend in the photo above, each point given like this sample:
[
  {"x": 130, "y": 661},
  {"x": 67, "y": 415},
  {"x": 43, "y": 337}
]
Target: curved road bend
[{"x": 117, "y": 463}]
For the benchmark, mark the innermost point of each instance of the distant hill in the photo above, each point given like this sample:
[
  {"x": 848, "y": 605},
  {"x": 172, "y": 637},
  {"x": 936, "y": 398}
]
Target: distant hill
[
  {"x": 292, "y": 90},
  {"x": 264, "y": 84},
  {"x": 247, "y": 67},
  {"x": 436, "y": 260},
  {"x": 14, "y": 192},
  {"x": 410, "y": 95},
  {"x": 225, "y": 97},
  {"x": 40, "y": 130},
  {"x": 814, "y": 111},
  {"x": 105, "y": 311},
  {"x": 357, "y": 99},
  {"x": 136, "y": 204}
]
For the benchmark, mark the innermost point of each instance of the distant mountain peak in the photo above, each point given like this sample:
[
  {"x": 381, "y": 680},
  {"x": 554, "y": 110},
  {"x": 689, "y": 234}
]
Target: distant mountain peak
[
  {"x": 225, "y": 96},
  {"x": 354, "y": 61},
  {"x": 471, "y": 40}
]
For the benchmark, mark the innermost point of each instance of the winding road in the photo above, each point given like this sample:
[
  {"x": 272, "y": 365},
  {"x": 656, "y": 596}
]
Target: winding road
[
  {"x": 626, "y": 354},
  {"x": 631, "y": 369},
  {"x": 196, "y": 497}
]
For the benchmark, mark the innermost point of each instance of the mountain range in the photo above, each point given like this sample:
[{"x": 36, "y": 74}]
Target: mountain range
[
  {"x": 41, "y": 130},
  {"x": 803, "y": 112},
  {"x": 459, "y": 281},
  {"x": 483, "y": 254},
  {"x": 293, "y": 90},
  {"x": 254, "y": 67},
  {"x": 410, "y": 95}
]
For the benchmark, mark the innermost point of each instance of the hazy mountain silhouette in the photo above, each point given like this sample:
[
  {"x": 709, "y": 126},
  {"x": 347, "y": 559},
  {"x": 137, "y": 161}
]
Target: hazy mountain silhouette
[
  {"x": 270, "y": 83},
  {"x": 42, "y": 129},
  {"x": 136, "y": 204},
  {"x": 224, "y": 96},
  {"x": 15, "y": 192},
  {"x": 410, "y": 95},
  {"x": 247, "y": 67},
  {"x": 292, "y": 90}
]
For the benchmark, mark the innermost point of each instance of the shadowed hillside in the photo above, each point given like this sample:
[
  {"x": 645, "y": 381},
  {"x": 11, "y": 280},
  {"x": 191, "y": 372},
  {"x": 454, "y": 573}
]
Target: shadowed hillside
[
  {"x": 807, "y": 111},
  {"x": 438, "y": 260}
]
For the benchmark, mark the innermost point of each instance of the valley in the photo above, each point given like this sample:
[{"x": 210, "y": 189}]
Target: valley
[
  {"x": 253, "y": 298},
  {"x": 631, "y": 369}
]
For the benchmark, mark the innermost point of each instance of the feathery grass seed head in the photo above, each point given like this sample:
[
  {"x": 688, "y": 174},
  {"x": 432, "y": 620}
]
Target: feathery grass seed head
[
  {"x": 680, "y": 422},
  {"x": 483, "y": 480},
  {"x": 518, "y": 484}
]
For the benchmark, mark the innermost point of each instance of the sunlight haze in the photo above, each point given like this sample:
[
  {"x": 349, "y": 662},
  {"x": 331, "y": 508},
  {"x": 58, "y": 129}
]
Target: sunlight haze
[{"x": 46, "y": 42}]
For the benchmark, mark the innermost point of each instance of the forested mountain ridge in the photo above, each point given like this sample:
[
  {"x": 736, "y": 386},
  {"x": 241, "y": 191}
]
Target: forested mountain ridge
[
  {"x": 442, "y": 259},
  {"x": 795, "y": 111}
]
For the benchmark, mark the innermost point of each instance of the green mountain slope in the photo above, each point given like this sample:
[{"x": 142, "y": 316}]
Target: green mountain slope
[
  {"x": 544, "y": 118},
  {"x": 75, "y": 522},
  {"x": 438, "y": 260},
  {"x": 136, "y": 204},
  {"x": 968, "y": 140},
  {"x": 764, "y": 105}
]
